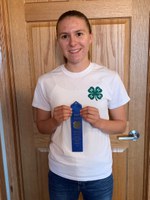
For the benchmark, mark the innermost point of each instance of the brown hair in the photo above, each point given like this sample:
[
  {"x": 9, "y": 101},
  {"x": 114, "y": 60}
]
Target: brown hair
[{"x": 74, "y": 13}]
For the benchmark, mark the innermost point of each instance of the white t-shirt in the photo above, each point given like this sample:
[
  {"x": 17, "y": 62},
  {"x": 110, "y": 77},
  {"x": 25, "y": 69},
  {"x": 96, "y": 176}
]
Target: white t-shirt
[{"x": 95, "y": 86}]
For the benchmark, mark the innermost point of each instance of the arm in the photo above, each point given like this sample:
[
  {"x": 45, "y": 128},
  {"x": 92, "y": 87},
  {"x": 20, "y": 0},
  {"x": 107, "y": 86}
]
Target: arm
[
  {"x": 46, "y": 123},
  {"x": 116, "y": 124}
]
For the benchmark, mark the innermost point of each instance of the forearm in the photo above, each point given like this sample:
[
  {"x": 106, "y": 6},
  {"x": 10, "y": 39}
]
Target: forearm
[
  {"x": 111, "y": 126},
  {"x": 47, "y": 123},
  {"x": 47, "y": 126},
  {"x": 116, "y": 123}
]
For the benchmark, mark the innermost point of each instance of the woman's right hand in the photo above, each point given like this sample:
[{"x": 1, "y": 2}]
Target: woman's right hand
[{"x": 61, "y": 113}]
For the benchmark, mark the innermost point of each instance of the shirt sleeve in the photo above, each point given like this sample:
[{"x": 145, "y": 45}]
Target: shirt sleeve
[
  {"x": 119, "y": 93},
  {"x": 39, "y": 99}
]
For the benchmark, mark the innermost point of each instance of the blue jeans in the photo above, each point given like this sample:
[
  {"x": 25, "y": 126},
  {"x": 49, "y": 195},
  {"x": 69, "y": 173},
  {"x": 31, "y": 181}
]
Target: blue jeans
[{"x": 65, "y": 189}]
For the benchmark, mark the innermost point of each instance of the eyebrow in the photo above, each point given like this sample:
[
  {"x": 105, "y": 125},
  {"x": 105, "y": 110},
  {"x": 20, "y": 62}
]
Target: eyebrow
[{"x": 80, "y": 30}]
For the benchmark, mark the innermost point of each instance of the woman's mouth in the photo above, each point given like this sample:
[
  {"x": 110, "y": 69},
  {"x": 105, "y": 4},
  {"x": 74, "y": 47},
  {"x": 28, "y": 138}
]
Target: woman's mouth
[{"x": 73, "y": 51}]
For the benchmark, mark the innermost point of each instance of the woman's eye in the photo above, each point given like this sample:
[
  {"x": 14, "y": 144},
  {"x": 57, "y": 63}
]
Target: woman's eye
[
  {"x": 64, "y": 37},
  {"x": 79, "y": 34}
]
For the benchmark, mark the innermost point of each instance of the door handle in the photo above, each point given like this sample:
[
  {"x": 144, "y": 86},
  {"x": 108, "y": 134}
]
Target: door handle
[{"x": 132, "y": 135}]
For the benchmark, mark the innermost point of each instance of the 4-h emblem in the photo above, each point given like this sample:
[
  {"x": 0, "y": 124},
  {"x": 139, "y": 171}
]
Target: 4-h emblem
[{"x": 95, "y": 93}]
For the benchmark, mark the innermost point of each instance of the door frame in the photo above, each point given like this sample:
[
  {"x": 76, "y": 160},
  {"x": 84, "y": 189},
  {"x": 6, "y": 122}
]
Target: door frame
[
  {"x": 147, "y": 139},
  {"x": 8, "y": 109}
]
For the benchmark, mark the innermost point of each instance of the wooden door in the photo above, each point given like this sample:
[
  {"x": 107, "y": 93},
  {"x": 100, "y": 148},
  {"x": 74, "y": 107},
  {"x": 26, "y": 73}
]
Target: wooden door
[{"x": 120, "y": 28}]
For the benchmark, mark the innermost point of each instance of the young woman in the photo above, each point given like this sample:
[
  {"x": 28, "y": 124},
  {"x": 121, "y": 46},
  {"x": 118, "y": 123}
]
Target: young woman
[{"x": 102, "y": 96}]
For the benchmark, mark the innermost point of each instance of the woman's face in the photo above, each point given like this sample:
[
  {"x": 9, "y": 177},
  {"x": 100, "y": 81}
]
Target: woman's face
[{"x": 74, "y": 40}]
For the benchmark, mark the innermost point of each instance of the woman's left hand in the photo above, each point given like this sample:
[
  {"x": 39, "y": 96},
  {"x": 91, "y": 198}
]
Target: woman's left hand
[{"x": 90, "y": 114}]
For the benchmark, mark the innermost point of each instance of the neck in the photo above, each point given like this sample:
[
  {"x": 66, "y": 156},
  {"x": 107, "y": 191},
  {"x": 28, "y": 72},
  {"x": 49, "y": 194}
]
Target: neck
[{"x": 77, "y": 67}]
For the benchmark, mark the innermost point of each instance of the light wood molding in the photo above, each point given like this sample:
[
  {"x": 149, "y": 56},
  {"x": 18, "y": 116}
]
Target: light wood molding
[
  {"x": 8, "y": 107},
  {"x": 41, "y": 11}
]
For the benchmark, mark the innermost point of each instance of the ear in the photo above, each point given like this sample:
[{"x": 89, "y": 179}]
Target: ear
[
  {"x": 91, "y": 38},
  {"x": 57, "y": 42},
  {"x": 56, "y": 39}
]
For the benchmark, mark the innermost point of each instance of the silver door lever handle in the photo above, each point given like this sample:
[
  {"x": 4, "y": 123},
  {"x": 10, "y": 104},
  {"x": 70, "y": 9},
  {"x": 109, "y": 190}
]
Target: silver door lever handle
[{"x": 133, "y": 135}]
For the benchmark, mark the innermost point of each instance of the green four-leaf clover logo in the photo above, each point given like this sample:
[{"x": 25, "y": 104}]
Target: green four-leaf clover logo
[{"x": 95, "y": 93}]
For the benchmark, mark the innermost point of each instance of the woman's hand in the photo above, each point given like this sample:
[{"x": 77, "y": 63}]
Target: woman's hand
[
  {"x": 61, "y": 113},
  {"x": 116, "y": 124},
  {"x": 47, "y": 122},
  {"x": 90, "y": 114}
]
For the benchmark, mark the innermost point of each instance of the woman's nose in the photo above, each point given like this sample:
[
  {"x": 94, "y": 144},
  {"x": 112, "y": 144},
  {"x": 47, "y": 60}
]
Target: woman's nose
[{"x": 72, "y": 41}]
